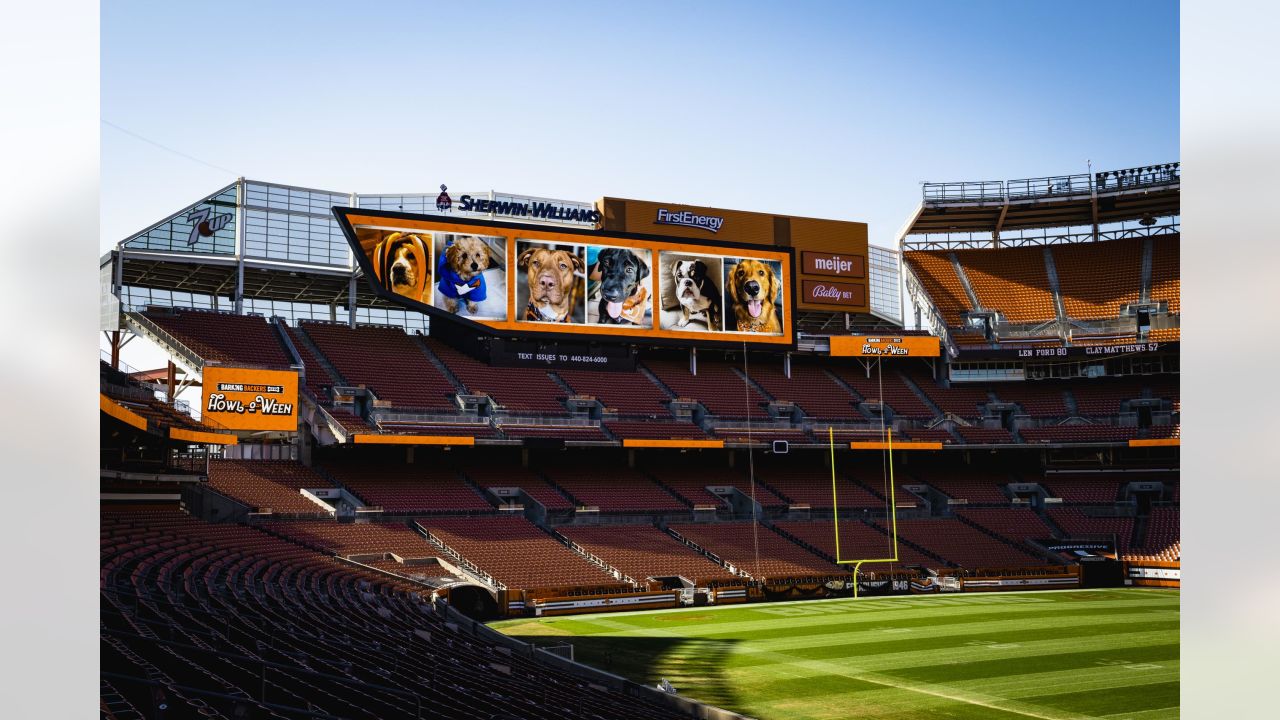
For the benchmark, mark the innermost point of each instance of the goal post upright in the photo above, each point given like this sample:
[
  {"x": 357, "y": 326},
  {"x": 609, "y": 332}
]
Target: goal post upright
[{"x": 835, "y": 510}]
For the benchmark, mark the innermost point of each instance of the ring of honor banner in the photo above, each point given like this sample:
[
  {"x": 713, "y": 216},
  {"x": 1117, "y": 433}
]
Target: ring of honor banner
[
  {"x": 249, "y": 398},
  {"x": 520, "y": 281}
]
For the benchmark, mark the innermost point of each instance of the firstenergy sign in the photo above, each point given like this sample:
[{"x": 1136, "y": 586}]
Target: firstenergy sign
[
  {"x": 685, "y": 218},
  {"x": 250, "y": 399}
]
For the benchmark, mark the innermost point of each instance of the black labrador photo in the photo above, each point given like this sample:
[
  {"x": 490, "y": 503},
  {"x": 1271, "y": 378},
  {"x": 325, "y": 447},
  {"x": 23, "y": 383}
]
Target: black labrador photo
[{"x": 622, "y": 296}]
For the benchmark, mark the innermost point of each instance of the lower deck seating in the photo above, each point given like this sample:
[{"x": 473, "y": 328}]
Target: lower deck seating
[
  {"x": 736, "y": 543},
  {"x": 1163, "y": 540},
  {"x": 937, "y": 434},
  {"x": 1016, "y": 525},
  {"x": 561, "y": 432},
  {"x": 642, "y": 551},
  {"x": 858, "y": 541},
  {"x": 654, "y": 429},
  {"x": 760, "y": 434},
  {"x": 1078, "y": 434},
  {"x": 1075, "y": 523},
  {"x": 986, "y": 436},
  {"x": 972, "y": 486},
  {"x": 812, "y": 486},
  {"x": 220, "y": 620},
  {"x": 490, "y": 476},
  {"x": 519, "y": 554},
  {"x": 691, "y": 480},
  {"x": 1077, "y": 490},
  {"x": 273, "y": 485},
  {"x": 409, "y": 488},
  {"x": 356, "y": 538},
  {"x": 613, "y": 488},
  {"x": 965, "y": 545}
]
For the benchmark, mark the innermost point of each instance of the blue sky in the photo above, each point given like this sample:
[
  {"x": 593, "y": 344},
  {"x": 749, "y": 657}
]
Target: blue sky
[{"x": 824, "y": 109}]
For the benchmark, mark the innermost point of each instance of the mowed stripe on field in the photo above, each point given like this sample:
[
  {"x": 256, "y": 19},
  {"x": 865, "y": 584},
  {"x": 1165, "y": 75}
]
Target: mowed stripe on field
[{"x": 1050, "y": 655}]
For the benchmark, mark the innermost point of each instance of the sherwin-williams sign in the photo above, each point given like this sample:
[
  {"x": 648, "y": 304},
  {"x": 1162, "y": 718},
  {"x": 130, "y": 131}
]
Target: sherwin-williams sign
[{"x": 250, "y": 399}]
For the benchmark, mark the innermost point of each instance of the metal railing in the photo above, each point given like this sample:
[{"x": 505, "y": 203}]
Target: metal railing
[{"x": 1149, "y": 176}]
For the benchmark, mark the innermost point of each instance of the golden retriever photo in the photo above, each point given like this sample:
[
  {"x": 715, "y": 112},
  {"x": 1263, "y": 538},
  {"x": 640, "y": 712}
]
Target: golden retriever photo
[
  {"x": 402, "y": 263},
  {"x": 461, "y": 278},
  {"x": 753, "y": 292},
  {"x": 551, "y": 287}
]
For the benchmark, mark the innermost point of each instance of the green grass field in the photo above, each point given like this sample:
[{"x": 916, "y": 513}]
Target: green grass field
[{"x": 1054, "y": 655}]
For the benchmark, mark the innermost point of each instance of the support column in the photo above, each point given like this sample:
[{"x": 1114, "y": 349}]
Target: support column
[
  {"x": 171, "y": 380},
  {"x": 786, "y": 365},
  {"x": 351, "y": 302},
  {"x": 693, "y": 361},
  {"x": 115, "y": 349}
]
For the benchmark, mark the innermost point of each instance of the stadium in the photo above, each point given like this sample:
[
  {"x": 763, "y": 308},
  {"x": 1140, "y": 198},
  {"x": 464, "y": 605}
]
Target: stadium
[{"x": 487, "y": 455}]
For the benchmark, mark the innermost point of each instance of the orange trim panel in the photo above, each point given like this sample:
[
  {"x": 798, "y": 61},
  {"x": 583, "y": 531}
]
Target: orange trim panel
[
  {"x": 206, "y": 438},
  {"x": 121, "y": 413},
  {"x": 642, "y": 443},
  {"x": 413, "y": 440},
  {"x": 904, "y": 445},
  {"x": 1156, "y": 442}
]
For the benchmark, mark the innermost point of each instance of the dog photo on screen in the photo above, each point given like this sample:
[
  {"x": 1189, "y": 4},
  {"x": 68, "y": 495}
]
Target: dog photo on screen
[
  {"x": 690, "y": 287},
  {"x": 618, "y": 286},
  {"x": 753, "y": 296},
  {"x": 470, "y": 278},
  {"x": 549, "y": 286}
]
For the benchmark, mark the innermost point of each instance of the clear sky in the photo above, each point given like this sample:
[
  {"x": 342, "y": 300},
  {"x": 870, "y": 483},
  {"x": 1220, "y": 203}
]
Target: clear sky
[{"x": 833, "y": 110}]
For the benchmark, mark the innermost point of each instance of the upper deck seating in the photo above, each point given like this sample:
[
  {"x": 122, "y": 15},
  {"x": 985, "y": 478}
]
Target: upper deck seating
[
  {"x": 1096, "y": 279},
  {"x": 629, "y": 393},
  {"x": 720, "y": 390},
  {"x": 938, "y": 276},
  {"x": 224, "y": 337},
  {"x": 885, "y": 386},
  {"x": 1166, "y": 271},
  {"x": 1013, "y": 281},
  {"x": 809, "y": 387},
  {"x": 526, "y": 390},
  {"x": 385, "y": 360}
]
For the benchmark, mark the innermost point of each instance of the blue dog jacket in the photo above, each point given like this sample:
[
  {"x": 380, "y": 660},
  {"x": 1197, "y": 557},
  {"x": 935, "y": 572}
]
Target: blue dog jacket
[{"x": 452, "y": 285}]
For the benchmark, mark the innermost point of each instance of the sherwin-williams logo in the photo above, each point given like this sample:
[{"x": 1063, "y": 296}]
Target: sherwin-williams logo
[
  {"x": 686, "y": 218},
  {"x": 443, "y": 201}
]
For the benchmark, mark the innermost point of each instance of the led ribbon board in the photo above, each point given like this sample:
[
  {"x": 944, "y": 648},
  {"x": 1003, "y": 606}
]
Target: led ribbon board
[{"x": 519, "y": 280}]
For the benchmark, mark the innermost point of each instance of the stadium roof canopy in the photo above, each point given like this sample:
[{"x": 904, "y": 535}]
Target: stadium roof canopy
[{"x": 1002, "y": 209}]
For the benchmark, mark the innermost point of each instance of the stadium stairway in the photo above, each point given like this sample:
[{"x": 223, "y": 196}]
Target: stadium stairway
[
  {"x": 858, "y": 399},
  {"x": 421, "y": 344},
  {"x": 300, "y": 334},
  {"x": 923, "y": 396},
  {"x": 1024, "y": 547}
]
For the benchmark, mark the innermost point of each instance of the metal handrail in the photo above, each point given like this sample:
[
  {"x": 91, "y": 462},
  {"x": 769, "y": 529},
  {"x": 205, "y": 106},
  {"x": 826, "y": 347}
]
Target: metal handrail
[{"x": 1164, "y": 174}]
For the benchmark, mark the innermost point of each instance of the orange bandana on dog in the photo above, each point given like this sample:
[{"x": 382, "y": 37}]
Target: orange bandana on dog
[{"x": 633, "y": 307}]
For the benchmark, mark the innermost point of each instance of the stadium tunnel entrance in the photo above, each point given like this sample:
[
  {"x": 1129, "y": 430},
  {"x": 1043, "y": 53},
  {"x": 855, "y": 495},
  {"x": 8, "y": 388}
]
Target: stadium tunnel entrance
[{"x": 474, "y": 601}]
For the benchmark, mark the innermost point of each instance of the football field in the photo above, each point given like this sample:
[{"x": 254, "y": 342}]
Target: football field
[{"x": 1059, "y": 655}]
